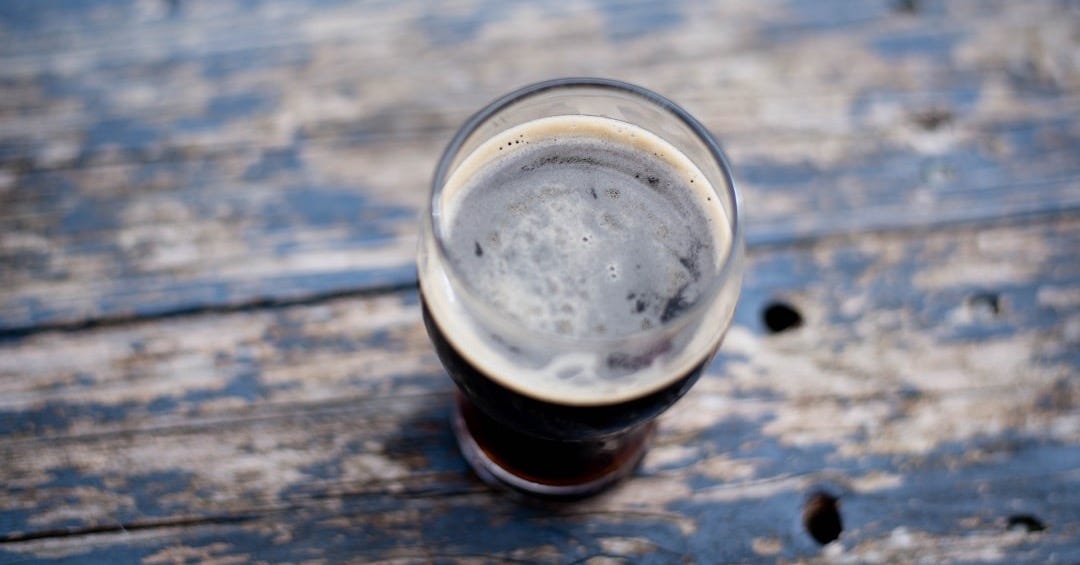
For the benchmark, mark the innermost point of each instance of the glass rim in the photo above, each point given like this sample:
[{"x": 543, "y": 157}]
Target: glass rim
[{"x": 713, "y": 288}]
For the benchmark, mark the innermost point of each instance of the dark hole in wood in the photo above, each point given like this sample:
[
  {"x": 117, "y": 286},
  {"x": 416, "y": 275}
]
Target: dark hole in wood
[
  {"x": 986, "y": 301},
  {"x": 933, "y": 118},
  {"x": 780, "y": 316},
  {"x": 821, "y": 517},
  {"x": 1025, "y": 522}
]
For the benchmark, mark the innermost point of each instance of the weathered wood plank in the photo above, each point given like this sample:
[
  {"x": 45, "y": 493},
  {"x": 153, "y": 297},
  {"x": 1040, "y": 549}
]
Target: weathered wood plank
[
  {"x": 206, "y": 242},
  {"x": 176, "y": 91},
  {"x": 192, "y": 175},
  {"x": 932, "y": 386},
  {"x": 759, "y": 66},
  {"x": 911, "y": 522},
  {"x": 195, "y": 157},
  {"x": 120, "y": 377},
  {"x": 171, "y": 371}
]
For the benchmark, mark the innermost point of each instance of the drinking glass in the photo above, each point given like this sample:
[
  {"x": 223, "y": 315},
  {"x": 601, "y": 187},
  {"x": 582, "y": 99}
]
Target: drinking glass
[{"x": 541, "y": 436}]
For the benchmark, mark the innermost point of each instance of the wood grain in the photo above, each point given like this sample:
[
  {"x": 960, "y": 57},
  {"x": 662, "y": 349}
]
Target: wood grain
[
  {"x": 183, "y": 157},
  {"x": 210, "y": 339},
  {"x": 320, "y": 430}
]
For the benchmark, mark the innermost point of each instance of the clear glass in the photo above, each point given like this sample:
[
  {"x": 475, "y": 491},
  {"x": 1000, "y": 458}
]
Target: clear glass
[{"x": 528, "y": 434}]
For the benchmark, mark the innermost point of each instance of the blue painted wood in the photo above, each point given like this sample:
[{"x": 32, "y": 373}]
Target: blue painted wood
[
  {"x": 899, "y": 523},
  {"x": 390, "y": 354},
  {"x": 248, "y": 146},
  {"x": 210, "y": 342},
  {"x": 331, "y": 417}
]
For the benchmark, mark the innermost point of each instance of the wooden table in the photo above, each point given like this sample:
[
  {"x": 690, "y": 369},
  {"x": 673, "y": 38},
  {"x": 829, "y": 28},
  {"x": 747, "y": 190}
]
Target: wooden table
[{"x": 211, "y": 346}]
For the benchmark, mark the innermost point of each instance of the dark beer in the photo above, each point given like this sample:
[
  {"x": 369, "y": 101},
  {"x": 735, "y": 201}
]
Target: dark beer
[
  {"x": 573, "y": 283},
  {"x": 546, "y": 442}
]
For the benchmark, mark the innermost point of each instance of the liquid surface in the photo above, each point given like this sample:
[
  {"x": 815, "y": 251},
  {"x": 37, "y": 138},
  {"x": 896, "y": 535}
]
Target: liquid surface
[
  {"x": 570, "y": 229},
  {"x": 576, "y": 231}
]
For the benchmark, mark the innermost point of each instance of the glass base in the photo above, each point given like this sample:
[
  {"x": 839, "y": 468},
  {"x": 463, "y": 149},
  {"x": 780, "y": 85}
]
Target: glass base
[{"x": 544, "y": 468}]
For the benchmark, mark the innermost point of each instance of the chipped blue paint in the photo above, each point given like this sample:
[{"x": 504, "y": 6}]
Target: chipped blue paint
[
  {"x": 225, "y": 108},
  {"x": 89, "y": 554},
  {"x": 724, "y": 531},
  {"x": 67, "y": 477},
  {"x": 273, "y": 163},
  {"x": 163, "y": 405},
  {"x": 455, "y": 516},
  {"x": 959, "y": 96},
  {"x": 24, "y": 311},
  {"x": 1020, "y": 311},
  {"x": 154, "y": 492},
  {"x": 225, "y": 65},
  {"x": 742, "y": 438},
  {"x": 88, "y": 214},
  {"x": 229, "y": 106},
  {"x": 245, "y": 384},
  {"x": 423, "y": 441},
  {"x": 918, "y": 42},
  {"x": 122, "y": 132},
  {"x": 444, "y": 30},
  {"x": 622, "y": 21},
  {"x": 822, "y": 13},
  {"x": 287, "y": 338},
  {"x": 627, "y": 21},
  {"x": 727, "y": 529},
  {"x": 57, "y": 417},
  {"x": 769, "y": 174},
  {"x": 931, "y": 499},
  {"x": 770, "y": 277},
  {"x": 719, "y": 363},
  {"x": 94, "y": 99},
  {"x": 59, "y": 484},
  {"x": 33, "y": 262},
  {"x": 30, "y": 16},
  {"x": 807, "y": 17},
  {"x": 312, "y": 205},
  {"x": 124, "y": 299},
  {"x": 1042, "y": 137},
  {"x": 426, "y": 433}
]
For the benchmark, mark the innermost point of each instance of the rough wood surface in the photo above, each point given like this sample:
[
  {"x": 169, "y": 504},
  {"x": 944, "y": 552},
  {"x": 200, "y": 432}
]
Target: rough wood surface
[
  {"x": 320, "y": 430},
  {"x": 171, "y": 157},
  {"x": 210, "y": 340}
]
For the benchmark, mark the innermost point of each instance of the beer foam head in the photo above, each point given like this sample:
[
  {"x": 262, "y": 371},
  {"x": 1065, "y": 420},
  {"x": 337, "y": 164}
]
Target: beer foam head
[{"x": 576, "y": 228}]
